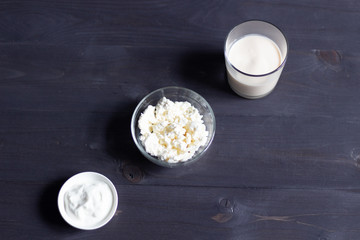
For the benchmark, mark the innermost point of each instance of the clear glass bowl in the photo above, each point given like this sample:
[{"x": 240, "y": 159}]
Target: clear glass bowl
[{"x": 174, "y": 94}]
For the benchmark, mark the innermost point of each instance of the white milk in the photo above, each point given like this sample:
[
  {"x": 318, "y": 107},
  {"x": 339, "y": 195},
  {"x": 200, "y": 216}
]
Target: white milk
[
  {"x": 255, "y": 54},
  {"x": 249, "y": 62}
]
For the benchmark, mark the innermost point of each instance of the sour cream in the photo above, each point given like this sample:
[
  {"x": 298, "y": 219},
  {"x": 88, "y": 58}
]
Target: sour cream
[
  {"x": 87, "y": 200},
  {"x": 88, "y": 203}
]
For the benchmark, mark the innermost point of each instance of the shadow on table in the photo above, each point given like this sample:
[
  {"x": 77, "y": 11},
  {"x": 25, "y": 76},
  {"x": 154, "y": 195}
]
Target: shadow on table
[
  {"x": 120, "y": 145},
  {"x": 118, "y": 135},
  {"x": 48, "y": 205},
  {"x": 206, "y": 67}
]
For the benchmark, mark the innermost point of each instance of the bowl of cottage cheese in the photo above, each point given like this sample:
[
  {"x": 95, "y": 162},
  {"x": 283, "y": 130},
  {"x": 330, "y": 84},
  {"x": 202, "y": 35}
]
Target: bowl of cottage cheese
[{"x": 173, "y": 126}]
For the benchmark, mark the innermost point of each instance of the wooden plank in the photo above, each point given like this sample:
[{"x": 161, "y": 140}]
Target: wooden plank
[
  {"x": 199, "y": 213},
  {"x": 174, "y": 23}
]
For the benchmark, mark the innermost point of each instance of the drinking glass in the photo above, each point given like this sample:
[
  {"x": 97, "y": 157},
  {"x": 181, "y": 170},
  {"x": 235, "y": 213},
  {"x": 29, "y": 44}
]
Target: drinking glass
[{"x": 253, "y": 86}]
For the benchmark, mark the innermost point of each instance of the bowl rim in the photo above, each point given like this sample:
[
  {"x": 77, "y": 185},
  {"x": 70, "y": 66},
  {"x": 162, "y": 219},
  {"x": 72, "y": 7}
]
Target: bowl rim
[{"x": 155, "y": 159}]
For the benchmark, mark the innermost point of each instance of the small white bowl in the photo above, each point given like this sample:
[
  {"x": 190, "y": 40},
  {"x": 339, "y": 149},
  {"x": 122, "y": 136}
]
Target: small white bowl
[{"x": 81, "y": 178}]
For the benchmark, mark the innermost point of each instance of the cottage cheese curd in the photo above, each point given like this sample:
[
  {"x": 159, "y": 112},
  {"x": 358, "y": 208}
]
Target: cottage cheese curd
[{"x": 172, "y": 131}]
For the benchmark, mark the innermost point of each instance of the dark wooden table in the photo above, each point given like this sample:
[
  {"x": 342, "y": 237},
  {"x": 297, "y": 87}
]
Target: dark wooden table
[{"x": 283, "y": 167}]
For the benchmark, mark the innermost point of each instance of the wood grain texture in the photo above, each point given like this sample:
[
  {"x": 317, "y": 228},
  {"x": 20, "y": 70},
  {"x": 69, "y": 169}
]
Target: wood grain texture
[{"x": 283, "y": 167}]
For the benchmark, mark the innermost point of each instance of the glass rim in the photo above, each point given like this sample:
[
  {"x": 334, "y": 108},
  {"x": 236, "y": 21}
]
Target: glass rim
[{"x": 264, "y": 74}]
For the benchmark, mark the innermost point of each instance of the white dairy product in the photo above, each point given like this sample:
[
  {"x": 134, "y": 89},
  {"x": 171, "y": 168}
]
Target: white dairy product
[
  {"x": 88, "y": 203},
  {"x": 255, "y": 54},
  {"x": 172, "y": 131}
]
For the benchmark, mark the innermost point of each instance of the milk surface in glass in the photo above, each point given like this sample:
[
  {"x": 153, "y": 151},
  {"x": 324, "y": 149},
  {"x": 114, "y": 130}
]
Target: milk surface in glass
[{"x": 255, "y": 54}]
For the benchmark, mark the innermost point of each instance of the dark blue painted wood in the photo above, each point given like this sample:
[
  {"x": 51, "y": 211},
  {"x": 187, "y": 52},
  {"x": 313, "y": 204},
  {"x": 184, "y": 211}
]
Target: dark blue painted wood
[{"x": 283, "y": 167}]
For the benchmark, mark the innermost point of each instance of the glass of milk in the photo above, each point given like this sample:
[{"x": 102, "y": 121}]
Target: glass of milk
[{"x": 255, "y": 55}]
